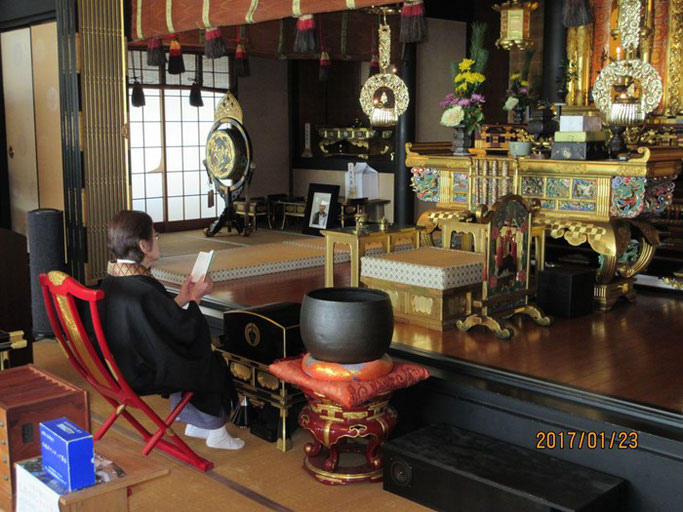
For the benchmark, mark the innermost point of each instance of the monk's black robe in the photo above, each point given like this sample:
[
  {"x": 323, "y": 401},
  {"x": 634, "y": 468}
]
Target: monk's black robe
[{"x": 160, "y": 347}]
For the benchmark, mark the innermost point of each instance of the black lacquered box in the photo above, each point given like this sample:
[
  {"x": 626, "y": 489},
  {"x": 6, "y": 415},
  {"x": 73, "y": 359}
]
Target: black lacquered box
[
  {"x": 263, "y": 333},
  {"x": 565, "y": 291}
]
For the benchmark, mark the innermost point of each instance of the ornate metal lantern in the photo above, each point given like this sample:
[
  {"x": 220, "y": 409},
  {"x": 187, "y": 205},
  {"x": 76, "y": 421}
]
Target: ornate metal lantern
[
  {"x": 384, "y": 96},
  {"x": 515, "y": 23}
]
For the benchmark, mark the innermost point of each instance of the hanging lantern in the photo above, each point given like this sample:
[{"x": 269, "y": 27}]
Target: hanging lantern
[
  {"x": 515, "y": 23},
  {"x": 384, "y": 96}
]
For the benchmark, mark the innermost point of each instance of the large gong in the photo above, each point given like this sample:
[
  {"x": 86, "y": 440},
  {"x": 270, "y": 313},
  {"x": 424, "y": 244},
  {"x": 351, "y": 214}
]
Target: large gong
[
  {"x": 228, "y": 163},
  {"x": 228, "y": 150}
]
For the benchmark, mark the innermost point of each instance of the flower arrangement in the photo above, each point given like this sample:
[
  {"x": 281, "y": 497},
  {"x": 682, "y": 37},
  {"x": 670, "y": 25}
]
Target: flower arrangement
[
  {"x": 464, "y": 105},
  {"x": 517, "y": 95}
]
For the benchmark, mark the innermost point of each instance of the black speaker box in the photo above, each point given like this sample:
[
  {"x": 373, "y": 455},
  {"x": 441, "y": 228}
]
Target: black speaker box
[
  {"x": 447, "y": 468},
  {"x": 46, "y": 253},
  {"x": 565, "y": 291}
]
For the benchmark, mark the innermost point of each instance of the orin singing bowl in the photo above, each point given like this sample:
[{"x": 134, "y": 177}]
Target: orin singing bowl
[{"x": 346, "y": 325}]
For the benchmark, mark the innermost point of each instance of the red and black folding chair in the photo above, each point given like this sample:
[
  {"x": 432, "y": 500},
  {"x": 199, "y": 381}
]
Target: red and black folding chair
[{"x": 60, "y": 293}]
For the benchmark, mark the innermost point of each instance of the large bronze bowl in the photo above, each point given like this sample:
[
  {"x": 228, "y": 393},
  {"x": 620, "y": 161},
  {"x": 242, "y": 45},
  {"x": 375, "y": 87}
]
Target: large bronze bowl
[{"x": 346, "y": 325}]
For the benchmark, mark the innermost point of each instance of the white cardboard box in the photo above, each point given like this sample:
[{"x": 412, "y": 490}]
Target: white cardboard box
[
  {"x": 361, "y": 180},
  {"x": 580, "y": 124},
  {"x": 36, "y": 490}
]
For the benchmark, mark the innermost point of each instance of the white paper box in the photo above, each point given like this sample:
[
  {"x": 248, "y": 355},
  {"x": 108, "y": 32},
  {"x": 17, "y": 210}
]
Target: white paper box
[
  {"x": 361, "y": 180},
  {"x": 580, "y": 124}
]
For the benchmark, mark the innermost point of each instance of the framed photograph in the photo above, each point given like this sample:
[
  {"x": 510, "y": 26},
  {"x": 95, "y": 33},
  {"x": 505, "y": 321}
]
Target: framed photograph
[{"x": 322, "y": 208}]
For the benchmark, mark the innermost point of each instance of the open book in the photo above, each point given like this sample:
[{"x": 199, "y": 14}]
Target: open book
[{"x": 201, "y": 266}]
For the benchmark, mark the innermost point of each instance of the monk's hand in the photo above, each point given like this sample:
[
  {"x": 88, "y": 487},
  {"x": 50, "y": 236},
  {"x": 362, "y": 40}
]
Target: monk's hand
[
  {"x": 185, "y": 294},
  {"x": 201, "y": 288}
]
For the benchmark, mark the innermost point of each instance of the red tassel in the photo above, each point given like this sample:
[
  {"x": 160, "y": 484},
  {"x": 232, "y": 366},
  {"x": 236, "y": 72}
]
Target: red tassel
[
  {"x": 413, "y": 26},
  {"x": 155, "y": 53},
  {"x": 214, "y": 46},
  {"x": 374, "y": 65},
  {"x": 241, "y": 61},
  {"x": 176, "y": 65},
  {"x": 325, "y": 65},
  {"x": 306, "y": 40}
]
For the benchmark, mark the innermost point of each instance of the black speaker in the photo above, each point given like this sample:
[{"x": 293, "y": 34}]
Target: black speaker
[
  {"x": 46, "y": 253},
  {"x": 565, "y": 291}
]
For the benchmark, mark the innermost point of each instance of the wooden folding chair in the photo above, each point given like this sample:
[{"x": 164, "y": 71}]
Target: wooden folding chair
[{"x": 60, "y": 293}]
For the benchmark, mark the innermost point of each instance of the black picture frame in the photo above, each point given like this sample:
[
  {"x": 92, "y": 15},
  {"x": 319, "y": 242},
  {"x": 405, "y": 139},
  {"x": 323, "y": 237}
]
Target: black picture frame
[{"x": 328, "y": 196}]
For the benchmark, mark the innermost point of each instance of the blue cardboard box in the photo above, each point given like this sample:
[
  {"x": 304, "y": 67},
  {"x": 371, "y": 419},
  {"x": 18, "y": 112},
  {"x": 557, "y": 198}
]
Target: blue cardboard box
[{"x": 68, "y": 453}]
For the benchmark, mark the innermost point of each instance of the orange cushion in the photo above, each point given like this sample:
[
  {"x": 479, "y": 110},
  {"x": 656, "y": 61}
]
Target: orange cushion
[
  {"x": 351, "y": 393},
  {"x": 324, "y": 370}
]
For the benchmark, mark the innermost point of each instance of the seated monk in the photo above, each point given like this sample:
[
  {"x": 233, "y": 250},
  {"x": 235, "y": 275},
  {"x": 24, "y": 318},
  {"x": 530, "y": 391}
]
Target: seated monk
[{"x": 160, "y": 347}]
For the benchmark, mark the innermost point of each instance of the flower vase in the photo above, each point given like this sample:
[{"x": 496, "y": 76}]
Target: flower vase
[
  {"x": 518, "y": 115},
  {"x": 462, "y": 140}
]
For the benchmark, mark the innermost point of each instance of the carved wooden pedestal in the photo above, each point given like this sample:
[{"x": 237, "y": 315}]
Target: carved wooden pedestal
[{"x": 336, "y": 457}]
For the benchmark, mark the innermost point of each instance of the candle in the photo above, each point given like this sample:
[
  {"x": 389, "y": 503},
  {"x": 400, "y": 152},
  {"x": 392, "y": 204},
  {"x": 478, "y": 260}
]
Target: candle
[{"x": 618, "y": 52}]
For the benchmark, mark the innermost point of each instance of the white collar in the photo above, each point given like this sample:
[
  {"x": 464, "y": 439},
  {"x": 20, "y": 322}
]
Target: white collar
[{"x": 127, "y": 261}]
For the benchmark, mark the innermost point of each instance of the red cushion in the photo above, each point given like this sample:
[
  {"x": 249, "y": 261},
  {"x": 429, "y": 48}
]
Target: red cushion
[
  {"x": 351, "y": 393},
  {"x": 338, "y": 372}
]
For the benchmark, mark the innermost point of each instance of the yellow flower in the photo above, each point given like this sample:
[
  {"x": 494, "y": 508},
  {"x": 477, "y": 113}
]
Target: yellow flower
[
  {"x": 461, "y": 87},
  {"x": 475, "y": 78},
  {"x": 459, "y": 77},
  {"x": 465, "y": 65},
  {"x": 515, "y": 76},
  {"x": 524, "y": 83}
]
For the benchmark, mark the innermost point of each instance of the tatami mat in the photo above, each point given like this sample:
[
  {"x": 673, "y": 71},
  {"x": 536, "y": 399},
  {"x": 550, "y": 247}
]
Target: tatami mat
[{"x": 258, "y": 477}]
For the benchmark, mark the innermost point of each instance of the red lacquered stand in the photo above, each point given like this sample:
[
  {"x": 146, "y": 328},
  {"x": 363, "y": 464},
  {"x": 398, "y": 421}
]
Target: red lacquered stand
[{"x": 346, "y": 441}]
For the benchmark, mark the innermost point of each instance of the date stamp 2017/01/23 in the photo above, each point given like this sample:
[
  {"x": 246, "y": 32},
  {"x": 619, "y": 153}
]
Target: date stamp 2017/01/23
[{"x": 549, "y": 440}]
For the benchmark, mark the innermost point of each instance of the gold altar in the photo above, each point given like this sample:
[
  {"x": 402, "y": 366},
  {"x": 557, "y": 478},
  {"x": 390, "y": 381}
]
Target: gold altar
[{"x": 606, "y": 203}]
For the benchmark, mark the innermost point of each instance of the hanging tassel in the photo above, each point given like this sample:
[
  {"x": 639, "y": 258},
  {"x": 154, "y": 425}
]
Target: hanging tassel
[
  {"x": 325, "y": 65},
  {"x": 155, "y": 53},
  {"x": 306, "y": 40},
  {"x": 138, "y": 97},
  {"x": 176, "y": 65},
  {"x": 413, "y": 26},
  {"x": 196, "y": 94},
  {"x": 576, "y": 13},
  {"x": 374, "y": 65},
  {"x": 241, "y": 61},
  {"x": 214, "y": 46}
]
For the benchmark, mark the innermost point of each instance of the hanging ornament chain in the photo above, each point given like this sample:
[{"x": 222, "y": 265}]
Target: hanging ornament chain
[{"x": 384, "y": 45}]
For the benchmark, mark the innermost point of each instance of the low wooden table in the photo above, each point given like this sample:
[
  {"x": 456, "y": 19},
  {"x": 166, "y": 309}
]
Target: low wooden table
[
  {"x": 291, "y": 208},
  {"x": 358, "y": 241}
]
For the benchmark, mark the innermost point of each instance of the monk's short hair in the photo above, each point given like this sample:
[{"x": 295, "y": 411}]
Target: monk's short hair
[{"x": 125, "y": 231}]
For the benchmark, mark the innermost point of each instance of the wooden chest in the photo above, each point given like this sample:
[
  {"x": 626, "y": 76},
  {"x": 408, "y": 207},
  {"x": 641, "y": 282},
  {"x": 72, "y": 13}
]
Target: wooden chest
[{"x": 28, "y": 396}]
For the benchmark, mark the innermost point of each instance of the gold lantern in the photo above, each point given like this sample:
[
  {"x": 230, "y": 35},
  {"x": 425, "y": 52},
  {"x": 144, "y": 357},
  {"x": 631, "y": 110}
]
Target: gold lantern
[
  {"x": 515, "y": 21},
  {"x": 384, "y": 96}
]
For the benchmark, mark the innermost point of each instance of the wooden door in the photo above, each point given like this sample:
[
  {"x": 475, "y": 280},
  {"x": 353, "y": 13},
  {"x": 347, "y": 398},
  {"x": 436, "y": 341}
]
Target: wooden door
[{"x": 17, "y": 81}]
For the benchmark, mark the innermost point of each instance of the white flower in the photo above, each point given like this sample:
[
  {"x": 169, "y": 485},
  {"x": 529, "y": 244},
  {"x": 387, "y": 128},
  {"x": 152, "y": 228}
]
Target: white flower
[
  {"x": 452, "y": 116},
  {"x": 511, "y": 103}
]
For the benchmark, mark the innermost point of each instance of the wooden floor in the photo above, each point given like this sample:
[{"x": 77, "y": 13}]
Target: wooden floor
[{"x": 634, "y": 352}]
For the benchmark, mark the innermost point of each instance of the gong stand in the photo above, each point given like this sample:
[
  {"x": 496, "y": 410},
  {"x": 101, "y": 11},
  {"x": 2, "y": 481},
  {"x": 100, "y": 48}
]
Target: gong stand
[{"x": 229, "y": 166}]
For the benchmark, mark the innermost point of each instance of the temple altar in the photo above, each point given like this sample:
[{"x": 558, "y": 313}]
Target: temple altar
[{"x": 608, "y": 204}]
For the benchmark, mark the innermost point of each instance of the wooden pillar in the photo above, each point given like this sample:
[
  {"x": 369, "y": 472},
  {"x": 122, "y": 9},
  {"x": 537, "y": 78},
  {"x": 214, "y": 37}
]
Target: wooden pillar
[
  {"x": 554, "y": 49},
  {"x": 404, "y": 199}
]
